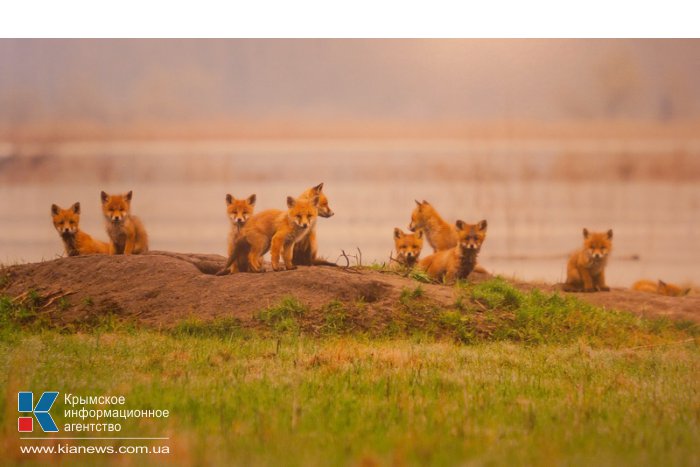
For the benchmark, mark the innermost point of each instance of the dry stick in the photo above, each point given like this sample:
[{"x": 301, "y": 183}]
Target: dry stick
[
  {"x": 20, "y": 297},
  {"x": 343, "y": 255},
  {"x": 53, "y": 299},
  {"x": 691, "y": 339}
]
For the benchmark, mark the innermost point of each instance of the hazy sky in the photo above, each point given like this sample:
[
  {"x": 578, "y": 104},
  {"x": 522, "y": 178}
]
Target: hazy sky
[{"x": 179, "y": 80}]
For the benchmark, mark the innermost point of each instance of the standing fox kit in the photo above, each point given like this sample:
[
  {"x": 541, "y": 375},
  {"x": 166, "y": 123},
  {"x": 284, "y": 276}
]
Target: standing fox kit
[
  {"x": 239, "y": 211},
  {"x": 408, "y": 247},
  {"x": 661, "y": 288},
  {"x": 275, "y": 231},
  {"x": 441, "y": 235},
  {"x": 305, "y": 250},
  {"x": 75, "y": 241},
  {"x": 458, "y": 262},
  {"x": 585, "y": 271},
  {"x": 126, "y": 232}
]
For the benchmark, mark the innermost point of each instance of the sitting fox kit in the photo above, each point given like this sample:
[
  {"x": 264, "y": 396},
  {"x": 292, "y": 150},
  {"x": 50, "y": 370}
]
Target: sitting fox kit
[
  {"x": 305, "y": 250},
  {"x": 660, "y": 288},
  {"x": 75, "y": 241},
  {"x": 408, "y": 247},
  {"x": 585, "y": 271},
  {"x": 458, "y": 262},
  {"x": 274, "y": 231},
  {"x": 126, "y": 232},
  {"x": 441, "y": 235},
  {"x": 239, "y": 211}
]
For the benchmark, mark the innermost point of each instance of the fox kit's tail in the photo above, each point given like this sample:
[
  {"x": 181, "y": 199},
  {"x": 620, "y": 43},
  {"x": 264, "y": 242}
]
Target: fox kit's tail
[
  {"x": 238, "y": 256},
  {"x": 322, "y": 262}
]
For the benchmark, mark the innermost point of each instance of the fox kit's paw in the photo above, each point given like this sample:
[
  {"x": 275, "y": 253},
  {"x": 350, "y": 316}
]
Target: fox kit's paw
[
  {"x": 604, "y": 288},
  {"x": 290, "y": 267},
  {"x": 223, "y": 272},
  {"x": 589, "y": 290}
]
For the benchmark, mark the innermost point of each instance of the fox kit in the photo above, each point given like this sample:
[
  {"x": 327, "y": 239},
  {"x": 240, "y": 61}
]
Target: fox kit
[
  {"x": 586, "y": 268},
  {"x": 276, "y": 231},
  {"x": 239, "y": 211},
  {"x": 458, "y": 262},
  {"x": 661, "y": 288},
  {"x": 125, "y": 231},
  {"x": 75, "y": 241},
  {"x": 440, "y": 234},
  {"x": 408, "y": 247},
  {"x": 305, "y": 250}
]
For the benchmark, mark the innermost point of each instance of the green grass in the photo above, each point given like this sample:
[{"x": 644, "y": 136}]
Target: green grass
[
  {"x": 341, "y": 401},
  {"x": 544, "y": 379}
]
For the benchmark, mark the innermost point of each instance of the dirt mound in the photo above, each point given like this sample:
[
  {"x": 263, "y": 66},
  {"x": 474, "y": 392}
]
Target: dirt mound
[{"x": 161, "y": 289}]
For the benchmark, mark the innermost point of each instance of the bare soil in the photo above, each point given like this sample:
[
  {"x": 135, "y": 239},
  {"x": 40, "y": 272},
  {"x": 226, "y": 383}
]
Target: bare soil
[{"x": 162, "y": 289}]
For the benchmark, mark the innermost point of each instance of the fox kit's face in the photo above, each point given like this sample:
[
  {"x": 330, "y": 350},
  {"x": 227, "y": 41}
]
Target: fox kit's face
[
  {"x": 471, "y": 236},
  {"x": 408, "y": 246},
  {"x": 597, "y": 245},
  {"x": 66, "y": 220},
  {"x": 420, "y": 216},
  {"x": 324, "y": 210},
  {"x": 239, "y": 210},
  {"x": 302, "y": 212},
  {"x": 116, "y": 207}
]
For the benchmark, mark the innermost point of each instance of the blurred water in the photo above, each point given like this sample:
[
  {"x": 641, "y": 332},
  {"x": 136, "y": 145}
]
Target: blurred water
[{"x": 533, "y": 223}]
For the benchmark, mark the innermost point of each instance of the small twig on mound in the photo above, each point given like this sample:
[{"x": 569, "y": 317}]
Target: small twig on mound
[
  {"x": 56, "y": 297},
  {"x": 359, "y": 254},
  {"x": 20, "y": 297},
  {"x": 343, "y": 255}
]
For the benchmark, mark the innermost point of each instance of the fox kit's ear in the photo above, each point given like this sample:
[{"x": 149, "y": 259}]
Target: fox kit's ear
[
  {"x": 54, "y": 209},
  {"x": 418, "y": 203},
  {"x": 251, "y": 200},
  {"x": 585, "y": 232},
  {"x": 128, "y": 195},
  {"x": 314, "y": 201},
  {"x": 425, "y": 203},
  {"x": 290, "y": 202},
  {"x": 419, "y": 234},
  {"x": 318, "y": 187},
  {"x": 104, "y": 196},
  {"x": 229, "y": 198},
  {"x": 686, "y": 291},
  {"x": 398, "y": 233},
  {"x": 483, "y": 224},
  {"x": 662, "y": 283},
  {"x": 610, "y": 234},
  {"x": 76, "y": 207},
  {"x": 459, "y": 224}
]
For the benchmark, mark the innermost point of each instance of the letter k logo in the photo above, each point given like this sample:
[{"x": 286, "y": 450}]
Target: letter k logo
[{"x": 25, "y": 403}]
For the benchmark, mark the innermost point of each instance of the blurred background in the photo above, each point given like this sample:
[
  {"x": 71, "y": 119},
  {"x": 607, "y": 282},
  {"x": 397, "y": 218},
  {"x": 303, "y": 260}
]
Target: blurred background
[{"x": 540, "y": 137}]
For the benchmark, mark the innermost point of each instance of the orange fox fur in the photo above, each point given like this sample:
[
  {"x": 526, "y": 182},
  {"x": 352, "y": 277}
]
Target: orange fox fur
[
  {"x": 441, "y": 235},
  {"x": 457, "y": 262},
  {"x": 126, "y": 232},
  {"x": 75, "y": 241},
  {"x": 408, "y": 246},
  {"x": 661, "y": 288},
  {"x": 586, "y": 268},
  {"x": 306, "y": 249},
  {"x": 238, "y": 211},
  {"x": 276, "y": 231}
]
